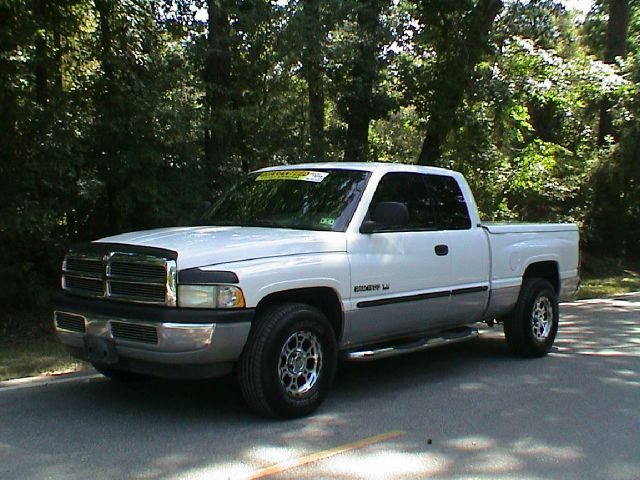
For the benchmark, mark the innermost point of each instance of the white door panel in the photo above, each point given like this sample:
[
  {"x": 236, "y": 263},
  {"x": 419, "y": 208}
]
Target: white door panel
[
  {"x": 400, "y": 268},
  {"x": 425, "y": 267},
  {"x": 470, "y": 270}
]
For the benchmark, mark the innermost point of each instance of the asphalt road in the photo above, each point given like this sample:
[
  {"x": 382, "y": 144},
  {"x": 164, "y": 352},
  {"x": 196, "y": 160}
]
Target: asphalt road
[{"x": 464, "y": 411}]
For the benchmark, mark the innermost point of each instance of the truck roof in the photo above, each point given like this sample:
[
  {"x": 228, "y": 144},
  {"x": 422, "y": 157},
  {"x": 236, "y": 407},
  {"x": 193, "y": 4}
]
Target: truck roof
[{"x": 364, "y": 166}]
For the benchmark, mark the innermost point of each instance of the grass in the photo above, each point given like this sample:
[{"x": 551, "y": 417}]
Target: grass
[
  {"x": 28, "y": 347},
  {"x": 606, "y": 277},
  {"x": 42, "y": 356}
]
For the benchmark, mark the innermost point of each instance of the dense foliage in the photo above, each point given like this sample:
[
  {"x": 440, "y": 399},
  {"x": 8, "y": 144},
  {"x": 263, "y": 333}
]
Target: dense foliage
[{"x": 126, "y": 114}]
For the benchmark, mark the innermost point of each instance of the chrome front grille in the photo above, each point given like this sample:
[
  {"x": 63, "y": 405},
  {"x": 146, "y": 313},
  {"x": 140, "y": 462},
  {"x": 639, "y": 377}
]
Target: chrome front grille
[
  {"x": 148, "y": 292},
  {"x": 124, "y": 269},
  {"x": 129, "y": 277},
  {"x": 87, "y": 265},
  {"x": 89, "y": 285}
]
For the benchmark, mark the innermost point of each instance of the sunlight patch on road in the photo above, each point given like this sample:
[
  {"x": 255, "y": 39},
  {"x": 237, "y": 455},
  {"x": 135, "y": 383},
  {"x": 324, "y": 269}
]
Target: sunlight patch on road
[
  {"x": 385, "y": 464},
  {"x": 530, "y": 447},
  {"x": 471, "y": 443},
  {"x": 316, "y": 457}
]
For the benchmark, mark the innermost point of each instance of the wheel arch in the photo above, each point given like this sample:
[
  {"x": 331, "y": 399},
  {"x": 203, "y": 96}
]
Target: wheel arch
[
  {"x": 324, "y": 299},
  {"x": 547, "y": 270}
]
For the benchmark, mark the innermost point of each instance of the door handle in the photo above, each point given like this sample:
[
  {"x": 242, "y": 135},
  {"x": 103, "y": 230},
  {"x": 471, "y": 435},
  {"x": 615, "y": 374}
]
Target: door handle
[{"x": 441, "y": 250}]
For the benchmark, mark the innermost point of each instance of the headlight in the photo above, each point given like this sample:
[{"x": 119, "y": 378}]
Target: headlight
[{"x": 210, "y": 296}]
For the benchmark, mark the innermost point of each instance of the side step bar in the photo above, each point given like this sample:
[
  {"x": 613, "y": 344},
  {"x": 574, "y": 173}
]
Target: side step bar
[{"x": 424, "y": 343}]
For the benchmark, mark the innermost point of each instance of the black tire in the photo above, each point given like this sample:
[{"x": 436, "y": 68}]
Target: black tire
[
  {"x": 116, "y": 374},
  {"x": 279, "y": 380},
  {"x": 532, "y": 326}
]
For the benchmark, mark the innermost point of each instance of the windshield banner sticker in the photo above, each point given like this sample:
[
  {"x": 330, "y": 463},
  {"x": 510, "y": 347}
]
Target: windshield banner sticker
[{"x": 300, "y": 175}]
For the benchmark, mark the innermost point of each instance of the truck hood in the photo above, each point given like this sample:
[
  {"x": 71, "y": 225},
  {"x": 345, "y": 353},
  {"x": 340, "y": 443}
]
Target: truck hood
[{"x": 203, "y": 246}]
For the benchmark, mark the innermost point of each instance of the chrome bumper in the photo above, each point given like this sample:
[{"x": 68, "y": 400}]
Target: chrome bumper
[{"x": 166, "y": 342}]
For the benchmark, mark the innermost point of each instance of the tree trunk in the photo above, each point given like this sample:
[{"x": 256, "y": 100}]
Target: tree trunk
[
  {"x": 57, "y": 75},
  {"x": 40, "y": 64},
  {"x": 217, "y": 77},
  {"x": 609, "y": 188},
  {"x": 455, "y": 76},
  {"x": 364, "y": 76},
  {"x": 615, "y": 47},
  {"x": 432, "y": 144},
  {"x": 357, "y": 143},
  {"x": 105, "y": 99},
  {"x": 312, "y": 73},
  {"x": 8, "y": 94},
  {"x": 106, "y": 44},
  {"x": 316, "y": 117}
]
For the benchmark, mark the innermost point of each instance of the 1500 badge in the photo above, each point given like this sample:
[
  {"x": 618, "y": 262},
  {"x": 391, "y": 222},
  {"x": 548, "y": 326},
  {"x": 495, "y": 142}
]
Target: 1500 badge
[{"x": 370, "y": 288}]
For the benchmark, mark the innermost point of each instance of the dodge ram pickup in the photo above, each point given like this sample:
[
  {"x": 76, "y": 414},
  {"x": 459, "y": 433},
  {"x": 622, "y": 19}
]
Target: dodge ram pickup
[{"x": 298, "y": 266}]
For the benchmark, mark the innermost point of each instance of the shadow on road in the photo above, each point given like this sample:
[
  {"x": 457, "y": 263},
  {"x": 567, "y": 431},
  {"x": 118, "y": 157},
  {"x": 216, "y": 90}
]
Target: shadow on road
[{"x": 572, "y": 414}]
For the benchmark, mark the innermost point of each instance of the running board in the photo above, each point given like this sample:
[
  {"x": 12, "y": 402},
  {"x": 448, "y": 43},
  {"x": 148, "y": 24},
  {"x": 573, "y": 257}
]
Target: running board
[{"x": 391, "y": 350}]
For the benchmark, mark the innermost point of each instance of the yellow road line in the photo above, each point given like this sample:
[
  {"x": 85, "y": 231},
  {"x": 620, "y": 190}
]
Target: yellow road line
[{"x": 315, "y": 457}]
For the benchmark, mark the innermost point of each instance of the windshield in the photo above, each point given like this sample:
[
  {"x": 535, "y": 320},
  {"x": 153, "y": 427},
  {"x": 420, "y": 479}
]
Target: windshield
[{"x": 301, "y": 199}]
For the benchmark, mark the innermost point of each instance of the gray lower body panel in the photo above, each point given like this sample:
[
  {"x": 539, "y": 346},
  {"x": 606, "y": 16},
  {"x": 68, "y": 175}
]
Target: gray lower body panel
[
  {"x": 208, "y": 348},
  {"x": 502, "y": 301},
  {"x": 569, "y": 288},
  {"x": 395, "y": 320},
  {"x": 401, "y": 318}
]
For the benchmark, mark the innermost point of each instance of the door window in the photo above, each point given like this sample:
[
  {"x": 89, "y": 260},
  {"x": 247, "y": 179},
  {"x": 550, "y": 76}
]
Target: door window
[
  {"x": 410, "y": 189},
  {"x": 434, "y": 202}
]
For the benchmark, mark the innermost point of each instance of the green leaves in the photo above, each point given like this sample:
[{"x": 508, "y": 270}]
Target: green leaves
[{"x": 105, "y": 107}]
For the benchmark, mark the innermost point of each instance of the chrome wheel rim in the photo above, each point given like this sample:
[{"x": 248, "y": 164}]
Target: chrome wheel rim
[
  {"x": 542, "y": 318},
  {"x": 300, "y": 363}
]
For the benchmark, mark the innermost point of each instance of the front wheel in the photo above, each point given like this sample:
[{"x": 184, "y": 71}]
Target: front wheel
[
  {"x": 289, "y": 362},
  {"x": 531, "y": 328}
]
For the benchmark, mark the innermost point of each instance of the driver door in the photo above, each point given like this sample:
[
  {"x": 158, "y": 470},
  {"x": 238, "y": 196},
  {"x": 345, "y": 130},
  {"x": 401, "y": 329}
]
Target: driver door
[{"x": 400, "y": 277}]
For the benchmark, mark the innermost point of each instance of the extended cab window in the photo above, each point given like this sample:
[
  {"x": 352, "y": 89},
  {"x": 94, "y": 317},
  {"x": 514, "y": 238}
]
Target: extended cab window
[
  {"x": 453, "y": 213},
  {"x": 434, "y": 202}
]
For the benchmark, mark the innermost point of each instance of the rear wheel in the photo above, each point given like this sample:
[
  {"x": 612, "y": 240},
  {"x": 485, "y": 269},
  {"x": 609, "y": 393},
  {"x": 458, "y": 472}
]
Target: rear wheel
[
  {"x": 531, "y": 328},
  {"x": 289, "y": 361}
]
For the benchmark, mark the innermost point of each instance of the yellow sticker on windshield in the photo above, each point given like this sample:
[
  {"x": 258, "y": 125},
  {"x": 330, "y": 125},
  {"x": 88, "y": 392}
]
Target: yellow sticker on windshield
[{"x": 300, "y": 175}]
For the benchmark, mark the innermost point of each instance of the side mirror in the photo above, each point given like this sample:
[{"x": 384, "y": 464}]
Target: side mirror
[
  {"x": 368, "y": 226},
  {"x": 387, "y": 215}
]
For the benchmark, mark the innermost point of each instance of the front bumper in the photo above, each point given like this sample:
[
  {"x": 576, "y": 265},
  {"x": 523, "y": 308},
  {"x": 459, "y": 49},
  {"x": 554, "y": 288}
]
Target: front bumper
[{"x": 163, "y": 341}]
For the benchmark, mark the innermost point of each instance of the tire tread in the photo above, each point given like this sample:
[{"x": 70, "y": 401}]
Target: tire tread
[
  {"x": 249, "y": 371},
  {"x": 250, "y": 368},
  {"x": 517, "y": 329}
]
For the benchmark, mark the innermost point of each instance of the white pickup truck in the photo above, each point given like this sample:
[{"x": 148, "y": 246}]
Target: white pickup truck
[{"x": 300, "y": 265}]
